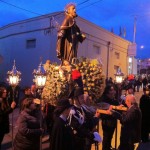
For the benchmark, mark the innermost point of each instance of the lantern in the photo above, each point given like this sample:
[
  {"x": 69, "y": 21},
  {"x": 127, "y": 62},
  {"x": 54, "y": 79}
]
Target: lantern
[
  {"x": 40, "y": 76},
  {"x": 14, "y": 76},
  {"x": 119, "y": 76},
  {"x": 13, "y": 80},
  {"x": 40, "y": 80}
]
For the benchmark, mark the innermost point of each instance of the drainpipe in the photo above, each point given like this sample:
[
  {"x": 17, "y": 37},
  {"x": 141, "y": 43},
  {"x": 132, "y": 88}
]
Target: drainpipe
[{"x": 108, "y": 46}]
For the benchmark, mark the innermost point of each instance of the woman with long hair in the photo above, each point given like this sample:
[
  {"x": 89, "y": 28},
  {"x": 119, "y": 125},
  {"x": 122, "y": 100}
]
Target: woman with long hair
[{"x": 5, "y": 110}]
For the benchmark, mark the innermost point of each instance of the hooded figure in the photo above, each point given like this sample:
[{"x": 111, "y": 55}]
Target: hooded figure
[{"x": 62, "y": 135}]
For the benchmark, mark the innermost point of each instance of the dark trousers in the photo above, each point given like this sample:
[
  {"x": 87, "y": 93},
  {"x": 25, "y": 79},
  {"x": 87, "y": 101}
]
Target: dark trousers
[
  {"x": 145, "y": 131},
  {"x": 126, "y": 145},
  {"x": 79, "y": 143},
  {"x": 49, "y": 111},
  {"x": 107, "y": 137},
  {"x": 1, "y": 138},
  {"x": 88, "y": 144}
]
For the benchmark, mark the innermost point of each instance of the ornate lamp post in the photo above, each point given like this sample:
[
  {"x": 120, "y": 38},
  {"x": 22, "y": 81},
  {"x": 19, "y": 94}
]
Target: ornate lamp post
[
  {"x": 14, "y": 76},
  {"x": 40, "y": 80},
  {"x": 40, "y": 76},
  {"x": 118, "y": 80},
  {"x": 119, "y": 76},
  {"x": 13, "y": 79}
]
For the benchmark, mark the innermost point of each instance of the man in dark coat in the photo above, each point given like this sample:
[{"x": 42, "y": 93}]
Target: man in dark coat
[
  {"x": 131, "y": 124},
  {"x": 61, "y": 137},
  {"x": 109, "y": 122},
  {"x": 69, "y": 35},
  {"x": 145, "y": 106},
  {"x": 83, "y": 121},
  {"x": 145, "y": 82}
]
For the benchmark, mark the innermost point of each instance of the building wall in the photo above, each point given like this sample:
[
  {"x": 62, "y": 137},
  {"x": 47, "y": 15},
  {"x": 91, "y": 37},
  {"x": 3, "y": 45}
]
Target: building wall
[
  {"x": 143, "y": 66},
  {"x": 13, "y": 46}
]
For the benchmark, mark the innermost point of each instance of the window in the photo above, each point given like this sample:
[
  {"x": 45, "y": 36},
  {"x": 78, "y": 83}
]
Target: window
[
  {"x": 117, "y": 55},
  {"x": 130, "y": 60},
  {"x": 97, "y": 49},
  {"x": 31, "y": 43}
]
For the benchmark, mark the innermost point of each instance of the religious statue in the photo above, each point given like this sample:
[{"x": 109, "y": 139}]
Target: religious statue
[{"x": 69, "y": 35}]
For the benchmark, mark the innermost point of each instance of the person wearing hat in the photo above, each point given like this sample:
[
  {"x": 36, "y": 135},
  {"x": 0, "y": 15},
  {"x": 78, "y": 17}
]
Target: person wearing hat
[
  {"x": 62, "y": 135},
  {"x": 83, "y": 121}
]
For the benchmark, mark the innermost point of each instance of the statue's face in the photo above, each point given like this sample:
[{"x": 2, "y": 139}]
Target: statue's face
[{"x": 72, "y": 11}]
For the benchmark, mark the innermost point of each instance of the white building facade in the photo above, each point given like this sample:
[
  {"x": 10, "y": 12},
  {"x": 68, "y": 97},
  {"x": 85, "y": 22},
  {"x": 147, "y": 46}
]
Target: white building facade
[
  {"x": 143, "y": 66},
  {"x": 26, "y": 41}
]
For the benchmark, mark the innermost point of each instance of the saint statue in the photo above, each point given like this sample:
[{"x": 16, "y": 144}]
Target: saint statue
[{"x": 69, "y": 35}]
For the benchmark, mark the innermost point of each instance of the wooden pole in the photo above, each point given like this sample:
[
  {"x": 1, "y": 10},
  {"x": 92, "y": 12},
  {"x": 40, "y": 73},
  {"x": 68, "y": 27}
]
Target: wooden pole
[{"x": 12, "y": 117}]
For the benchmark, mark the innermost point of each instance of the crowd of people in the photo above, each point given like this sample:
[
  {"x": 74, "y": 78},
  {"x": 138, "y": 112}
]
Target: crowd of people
[{"x": 72, "y": 123}]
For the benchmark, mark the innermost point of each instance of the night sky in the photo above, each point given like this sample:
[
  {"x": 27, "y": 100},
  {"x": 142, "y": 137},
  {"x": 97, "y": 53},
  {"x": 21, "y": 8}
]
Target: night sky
[{"x": 116, "y": 15}]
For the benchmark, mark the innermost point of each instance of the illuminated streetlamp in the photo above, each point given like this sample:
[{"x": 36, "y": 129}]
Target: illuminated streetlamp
[
  {"x": 14, "y": 77},
  {"x": 119, "y": 76},
  {"x": 118, "y": 79},
  {"x": 13, "y": 80},
  {"x": 40, "y": 80},
  {"x": 40, "y": 76}
]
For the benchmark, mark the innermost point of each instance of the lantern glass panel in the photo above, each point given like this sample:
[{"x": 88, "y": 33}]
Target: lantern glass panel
[
  {"x": 40, "y": 81},
  {"x": 13, "y": 80},
  {"x": 119, "y": 79}
]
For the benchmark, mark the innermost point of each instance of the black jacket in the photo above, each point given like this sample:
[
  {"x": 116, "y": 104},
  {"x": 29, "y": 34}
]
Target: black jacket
[
  {"x": 4, "y": 119},
  {"x": 29, "y": 132},
  {"x": 131, "y": 125},
  {"x": 108, "y": 120},
  {"x": 61, "y": 137}
]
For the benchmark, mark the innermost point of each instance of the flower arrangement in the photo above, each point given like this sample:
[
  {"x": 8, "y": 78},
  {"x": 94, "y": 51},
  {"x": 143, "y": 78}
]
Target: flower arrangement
[
  {"x": 59, "y": 79},
  {"x": 92, "y": 76},
  {"x": 55, "y": 84}
]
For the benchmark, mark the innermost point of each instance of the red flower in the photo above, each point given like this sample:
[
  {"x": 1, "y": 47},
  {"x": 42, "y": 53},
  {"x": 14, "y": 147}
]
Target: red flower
[{"x": 75, "y": 74}]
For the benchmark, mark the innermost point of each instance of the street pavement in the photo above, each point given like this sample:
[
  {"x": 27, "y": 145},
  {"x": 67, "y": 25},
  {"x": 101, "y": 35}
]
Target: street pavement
[{"x": 7, "y": 142}]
